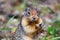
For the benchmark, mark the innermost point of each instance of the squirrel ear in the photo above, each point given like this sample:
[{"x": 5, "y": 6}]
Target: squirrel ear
[{"x": 38, "y": 12}]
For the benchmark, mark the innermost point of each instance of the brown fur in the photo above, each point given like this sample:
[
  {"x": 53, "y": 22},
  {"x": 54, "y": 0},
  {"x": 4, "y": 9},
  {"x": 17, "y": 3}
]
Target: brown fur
[{"x": 30, "y": 27}]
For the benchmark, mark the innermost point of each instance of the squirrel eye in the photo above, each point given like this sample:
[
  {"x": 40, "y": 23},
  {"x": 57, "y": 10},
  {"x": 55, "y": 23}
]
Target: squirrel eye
[{"x": 28, "y": 13}]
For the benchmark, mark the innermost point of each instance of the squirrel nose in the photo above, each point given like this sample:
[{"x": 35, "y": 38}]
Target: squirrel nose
[{"x": 34, "y": 18}]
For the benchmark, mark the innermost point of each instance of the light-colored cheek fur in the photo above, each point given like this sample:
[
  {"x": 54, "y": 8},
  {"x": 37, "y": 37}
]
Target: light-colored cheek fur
[
  {"x": 34, "y": 17},
  {"x": 40, "y": 21}
]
